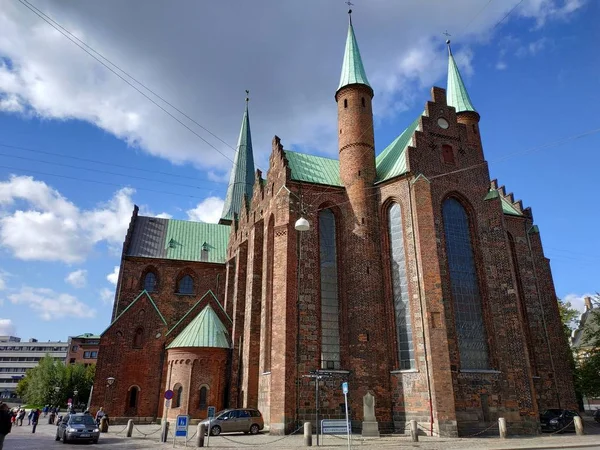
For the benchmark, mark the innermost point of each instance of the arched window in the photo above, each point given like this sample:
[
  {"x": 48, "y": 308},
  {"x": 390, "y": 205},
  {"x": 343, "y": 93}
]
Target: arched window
[
  {"x": 448, "y": 154},
  {"x": 150, "y": 282},
  {"x": 186, "y": 285},
  {"x": 345, "y": 103},
  {"x": 330, "y": 325},
  {"x": 406, "y": 355},
  {"x": 203, "y": 397},
  {"x": 464, "y": 284},
  {"x": 133, "y": 396},
  {"x": 138, "y": 338},
  {"x": 178, "y": 395},
  {"x": 362, "y": 100}
]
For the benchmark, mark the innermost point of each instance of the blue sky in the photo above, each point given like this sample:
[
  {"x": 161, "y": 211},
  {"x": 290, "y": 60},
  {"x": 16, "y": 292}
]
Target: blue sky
[{"x": 64, "y": 207}]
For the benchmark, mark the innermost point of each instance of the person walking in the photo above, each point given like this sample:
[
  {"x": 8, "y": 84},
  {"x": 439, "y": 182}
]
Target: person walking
[
  {"x": 20, "y": 417},
  {"x": 5, "y": 423},
  {"x": 29, "y": 417},
  {"x": 99, "y": 415},
  {"x": 34, "y": 419}
]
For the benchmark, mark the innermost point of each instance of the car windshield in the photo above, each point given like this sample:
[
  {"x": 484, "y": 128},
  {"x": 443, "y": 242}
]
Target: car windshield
[
  {"x": 552, "y": 412},
  {"x": 82, "y": 420}
]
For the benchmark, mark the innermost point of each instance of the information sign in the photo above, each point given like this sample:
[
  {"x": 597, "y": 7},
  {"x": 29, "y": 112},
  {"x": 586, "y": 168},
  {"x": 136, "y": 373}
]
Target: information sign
[
  {"x": 345, "y": 387},
  {"x": 211, "y": 412},
  {"x": 181, "y": 426}
]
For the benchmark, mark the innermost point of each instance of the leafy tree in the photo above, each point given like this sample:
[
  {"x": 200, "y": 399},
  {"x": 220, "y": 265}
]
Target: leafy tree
[
  {"x": 568, "y": 316},
  {"x": 40, "y": 383}
]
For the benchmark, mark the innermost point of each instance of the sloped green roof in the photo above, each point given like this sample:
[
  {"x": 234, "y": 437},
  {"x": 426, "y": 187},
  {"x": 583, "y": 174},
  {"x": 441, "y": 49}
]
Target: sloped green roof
[
  {"x": 314, "y": 169},
  {"x": 507, "y": 207},
  {"x": 391, "y": 162},
  {"x": 241, "y": 180},
  {"x": 206, "y": 330},
  {"x": 87, "y": 336},
  {"x": 353, "y": 71},
  {"x": 456, "y": 92},
  {"x": 184, "y": 241}
]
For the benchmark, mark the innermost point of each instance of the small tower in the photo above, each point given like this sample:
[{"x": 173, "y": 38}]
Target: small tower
[
  {"x": 354, "y": 98},
  {"x": 458, "y": 97},
  {"x": 241, "y": 180}
]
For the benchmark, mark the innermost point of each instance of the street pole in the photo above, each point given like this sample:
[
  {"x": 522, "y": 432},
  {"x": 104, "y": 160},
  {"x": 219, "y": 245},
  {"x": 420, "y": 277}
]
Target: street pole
[
  {"x": 345, "y": 390},
  {"x": 317, "y": 405}
]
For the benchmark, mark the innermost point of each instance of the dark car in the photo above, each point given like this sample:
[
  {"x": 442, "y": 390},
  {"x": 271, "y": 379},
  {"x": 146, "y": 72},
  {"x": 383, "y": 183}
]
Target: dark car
[
  {"x": 558, "y": 420},
  {"x": 230, "y": 420},
  {"x": 77, "y": 427}
]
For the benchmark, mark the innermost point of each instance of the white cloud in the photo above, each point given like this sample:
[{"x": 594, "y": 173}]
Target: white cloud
[
  {"x": 45, "y": 75},
  {"x": 77, "y": 279},
  {"x": 107, "y": 296},
  {"x": 3, "y": 276},
  {"x": 50, "y": 305},
  {"x": 51, "y": 228},
  {"x": 7, "y": 328},
  {"x": 113, "y": 277},
  {"x": 208, "y": 210},
  {"x": 163, "y": 215},
  {"x": 577, "y": 301},
  {"x": 501, "y": 65}
]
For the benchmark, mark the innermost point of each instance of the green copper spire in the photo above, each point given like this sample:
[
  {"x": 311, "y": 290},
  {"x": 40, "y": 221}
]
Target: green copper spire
[
  {"x": 353, "y": 71},
  {"x": 456, "y": 93},
  {"x": 242, "y": 173}
]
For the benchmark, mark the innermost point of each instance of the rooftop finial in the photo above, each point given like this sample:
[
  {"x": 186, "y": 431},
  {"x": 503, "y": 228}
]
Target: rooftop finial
[
  {"x": 349, "y": 10},
  {"x": 445, "y": 33},
  {"x": 247, "y": 95}
]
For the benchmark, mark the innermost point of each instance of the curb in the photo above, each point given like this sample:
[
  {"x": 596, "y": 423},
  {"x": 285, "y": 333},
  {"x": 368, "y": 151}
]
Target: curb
[{"x": 552, "y": 447}]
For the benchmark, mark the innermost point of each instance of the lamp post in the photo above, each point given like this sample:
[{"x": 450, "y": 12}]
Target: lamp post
[
  {"x": 109, "y": 382},
  {"x": 57, "y": 390},
  {"x": 75, "y": 392}
]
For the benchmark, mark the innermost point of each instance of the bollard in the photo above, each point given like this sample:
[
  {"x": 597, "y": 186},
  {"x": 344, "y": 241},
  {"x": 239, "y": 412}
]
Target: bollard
[
  {"x": 103, "y": 425},
  {"x": 414, "y": 431},
  {"x": 502, "y": 427},
  {"x": 308, "y": 434},
  {"x": 200, "y": 435},
  {"x": 578, "y": 425},
  {"x": 129, "y": 427},
  {"x": 164, "y": 434}
]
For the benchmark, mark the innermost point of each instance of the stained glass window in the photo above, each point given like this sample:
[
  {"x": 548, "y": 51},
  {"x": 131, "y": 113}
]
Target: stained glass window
[
  {"x": 150, "y": 282},
  {"x": 330, "y": 325},
  {"x": 464, "y": 283},
  {"x": 186, "y": 285},
  {"x": 406, "y": 354}
]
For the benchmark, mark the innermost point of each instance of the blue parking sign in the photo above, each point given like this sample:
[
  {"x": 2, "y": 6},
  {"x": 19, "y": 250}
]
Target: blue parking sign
[{"x": 181, "y": 426}]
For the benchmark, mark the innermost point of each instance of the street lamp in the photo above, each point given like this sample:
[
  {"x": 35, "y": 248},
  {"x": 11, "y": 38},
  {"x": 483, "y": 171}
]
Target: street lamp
[
  {"x": 57, "y": 390},
  {"x": 109, "y": 382},
  {"x": 302, "y": 224},
  {"x": 75, "y": 392}
]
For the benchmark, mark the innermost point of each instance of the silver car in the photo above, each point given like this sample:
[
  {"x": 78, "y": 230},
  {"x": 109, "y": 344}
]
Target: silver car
[
  {"x": 77, "y": 427},
  {"x": 231, "y": 420}
]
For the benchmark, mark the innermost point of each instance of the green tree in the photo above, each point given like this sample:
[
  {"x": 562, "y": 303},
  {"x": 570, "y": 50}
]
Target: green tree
[{"x": 568, "y": 316}]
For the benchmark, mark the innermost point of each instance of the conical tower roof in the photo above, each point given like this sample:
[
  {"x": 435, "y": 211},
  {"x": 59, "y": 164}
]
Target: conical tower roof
[
  {"x": 206, "y": 330},
  {"x": 353, "y": 71},
  {"x": 241, "y": 180},
  {"x": 456, "y": 92}
]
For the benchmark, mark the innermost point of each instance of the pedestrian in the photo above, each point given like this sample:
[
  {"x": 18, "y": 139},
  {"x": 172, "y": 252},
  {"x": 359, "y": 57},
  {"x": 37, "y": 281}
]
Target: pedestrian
[
  {"x": 45, "y": 410},
  {"x": 29, "y": 417},
  {"x": 5, "y": 423},
  {"x": 34, "y": 419},
  {"x": 21, "y": 416},
  {"x": 99, "y": 415}
]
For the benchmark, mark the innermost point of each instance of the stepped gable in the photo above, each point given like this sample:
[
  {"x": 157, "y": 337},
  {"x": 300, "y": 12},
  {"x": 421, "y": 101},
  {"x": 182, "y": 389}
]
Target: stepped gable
[{"x": 509, "y": 205}]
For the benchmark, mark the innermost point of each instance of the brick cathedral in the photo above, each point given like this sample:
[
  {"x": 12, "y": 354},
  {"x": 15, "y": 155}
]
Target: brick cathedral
[{"x": 419, "y": 280}]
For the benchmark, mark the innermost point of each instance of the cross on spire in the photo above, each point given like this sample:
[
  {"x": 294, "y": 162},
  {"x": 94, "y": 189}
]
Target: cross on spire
[{"x": 247, "y": 95}]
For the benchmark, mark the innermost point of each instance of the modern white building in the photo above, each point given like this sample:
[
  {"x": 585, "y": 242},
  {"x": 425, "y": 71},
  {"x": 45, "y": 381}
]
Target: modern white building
[{"x": 17, "y": 357}]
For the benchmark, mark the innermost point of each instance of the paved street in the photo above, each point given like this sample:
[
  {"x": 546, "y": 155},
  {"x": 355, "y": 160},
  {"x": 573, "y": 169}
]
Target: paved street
[{"x": 22, "y": 439}]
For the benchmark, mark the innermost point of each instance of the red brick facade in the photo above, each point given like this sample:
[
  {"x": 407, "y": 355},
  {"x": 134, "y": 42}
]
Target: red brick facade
[
  {"x": 270, "y": 293},
  {"x": 83, "y": 349}
]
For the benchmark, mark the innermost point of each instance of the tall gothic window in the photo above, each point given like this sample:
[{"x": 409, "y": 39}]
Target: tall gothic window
[
  {"x": 406, "y": 355},
  {"x": 203, "y": 397},
  {"x": 464, "y": 284},
  {"x": 186, "y": 285},
  {"x": 150, "y": 282},
  {"x": 330, "y": 325},
  {"x": 269, "y": 296}
]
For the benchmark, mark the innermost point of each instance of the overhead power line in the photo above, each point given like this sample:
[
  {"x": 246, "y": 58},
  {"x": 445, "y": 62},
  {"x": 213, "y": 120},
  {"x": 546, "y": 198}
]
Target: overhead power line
[{"x": 74, "y": 40}]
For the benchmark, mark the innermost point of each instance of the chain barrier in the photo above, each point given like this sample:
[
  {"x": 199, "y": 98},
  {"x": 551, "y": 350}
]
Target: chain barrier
[
  {"x": 192, "y": 436},
  {"x": 263, "y": 443},
  {"x": 119, "y": 432},
  {"x": 146, "y": 434},
  {"x": 495, "y": 424}
]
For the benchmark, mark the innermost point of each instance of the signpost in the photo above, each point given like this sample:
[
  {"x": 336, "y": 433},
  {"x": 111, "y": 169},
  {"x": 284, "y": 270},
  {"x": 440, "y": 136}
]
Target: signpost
[
  {"x": 211, "y": 410},
  {"x": 345, "y": 391},
  {"x": 181, "y": 428}
]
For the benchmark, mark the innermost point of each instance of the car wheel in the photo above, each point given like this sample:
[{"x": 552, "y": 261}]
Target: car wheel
[
  {"x": 215, "y": 431},
  {"x": 254, "y": 429}
]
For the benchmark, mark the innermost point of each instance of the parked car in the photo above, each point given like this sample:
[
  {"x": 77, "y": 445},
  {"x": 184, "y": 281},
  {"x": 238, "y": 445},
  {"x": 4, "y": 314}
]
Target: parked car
[
  {"x": 597, "y": 415},
  {"x": 558, "y": 419},
  {"x": 77, "y": 427},
  {"x": 231, "y": 420}
]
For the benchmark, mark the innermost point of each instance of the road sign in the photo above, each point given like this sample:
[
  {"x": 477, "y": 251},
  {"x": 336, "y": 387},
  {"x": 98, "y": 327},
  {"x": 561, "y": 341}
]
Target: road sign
[
  {"x": 211, "y": 412},
  {"x": 334, "y": 426},
  {"x": 169, "y": 394},
  {"x": 181, "y": 426},
  {"x": 168, "y": 404},
  {"x": 345, "y": 387}
]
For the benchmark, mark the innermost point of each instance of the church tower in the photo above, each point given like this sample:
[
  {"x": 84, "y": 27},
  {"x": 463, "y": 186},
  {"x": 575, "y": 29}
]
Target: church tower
[
  {"x": 458, "y": 97},
  {"x": 354, "y": 98},
  {"x": 241, "y": 180}
]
